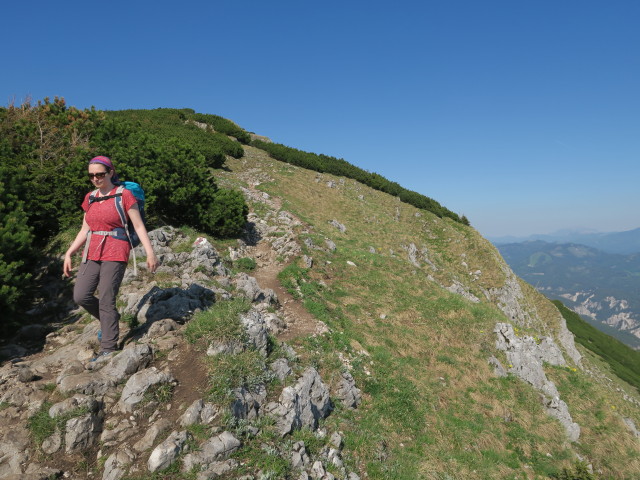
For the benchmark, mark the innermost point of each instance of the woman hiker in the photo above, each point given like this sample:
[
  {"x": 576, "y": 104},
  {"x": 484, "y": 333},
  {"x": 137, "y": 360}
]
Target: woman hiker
[{"x": 106, "y": 259}]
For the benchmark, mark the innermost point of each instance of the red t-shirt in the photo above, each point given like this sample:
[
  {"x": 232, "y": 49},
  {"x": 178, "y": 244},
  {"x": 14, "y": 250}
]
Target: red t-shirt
[{"x": 103, "y": 216}]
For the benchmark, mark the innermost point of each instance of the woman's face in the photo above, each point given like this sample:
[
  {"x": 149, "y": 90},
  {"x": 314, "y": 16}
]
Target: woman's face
[{"x": 99, "y": 175}]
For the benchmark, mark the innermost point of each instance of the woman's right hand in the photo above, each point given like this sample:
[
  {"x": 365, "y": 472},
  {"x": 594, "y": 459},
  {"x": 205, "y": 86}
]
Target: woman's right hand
[{"x": 67, "y": 266}]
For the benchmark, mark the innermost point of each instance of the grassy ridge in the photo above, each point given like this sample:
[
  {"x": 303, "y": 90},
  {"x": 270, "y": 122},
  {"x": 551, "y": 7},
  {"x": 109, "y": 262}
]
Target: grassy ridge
[
  {"x": 624, "y": 361},
  {"x": 432, "y": 407},
  {"x": 338, "y": 166}
]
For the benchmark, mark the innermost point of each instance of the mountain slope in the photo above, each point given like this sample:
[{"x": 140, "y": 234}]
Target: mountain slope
[
  {"x": 428, "y": 381},
  {"x": 598, "y": 285},
  {"x": 465, "y": 370}
]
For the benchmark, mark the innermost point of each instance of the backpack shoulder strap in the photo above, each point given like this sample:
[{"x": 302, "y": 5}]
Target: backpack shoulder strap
[
  {"x": 93, "y": 196},
  {"x": 120, "y": 207}
]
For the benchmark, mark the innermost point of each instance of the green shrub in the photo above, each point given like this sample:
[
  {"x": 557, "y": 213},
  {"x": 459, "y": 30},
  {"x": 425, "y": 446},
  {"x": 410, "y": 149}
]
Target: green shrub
[
  {"x": 223, "y": 125},
  {"x": 580, "y": 471},
  {"x": 17, "y": 254},
  {"x": 246, "y": 264},
  {"x": 226, "y": 215}
]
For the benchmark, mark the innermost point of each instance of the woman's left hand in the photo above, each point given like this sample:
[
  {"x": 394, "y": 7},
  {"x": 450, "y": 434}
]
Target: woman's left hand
[{"x": 152, "y": 262}]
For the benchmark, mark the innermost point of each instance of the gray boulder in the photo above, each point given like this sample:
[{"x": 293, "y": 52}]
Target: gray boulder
[
  {"x": 81, "y": 432},
  {"x": 330, "y": 245},
  {"x": 247, "y": 404},
  {"x": 347, "y": 392},
  {"x": 128, "y": 362},
  {"x": 175, "y": 303},
  {"x": 13, "y": 451},
  {"x": 72, "y": 403},
  {"x": 498, "y": 369},
  {"x": 117, "y": 464},
  {"x": 52, "y": 444},
  {"x": 256, "y": 329},
  {"x": 167, "y": 452},
  {"x": 206, "y": 258},
  {"x": 338, "y": 225},
  {"x": 218, "y": 469},
  {"x": 249, "y": 287},
  {"x": 280, "y": 368},
  {"x": 116, "y": 433},
  {"x": 299, "y": 456},
  {"x": 199, "y": 412},
  {"x": 229, "y": 347},
  {"x": 149, "y": 438},
  {"x": 138, "y": 384},
  {"x": 216, "y": 448},
  {"x": 88, "y": 383}
]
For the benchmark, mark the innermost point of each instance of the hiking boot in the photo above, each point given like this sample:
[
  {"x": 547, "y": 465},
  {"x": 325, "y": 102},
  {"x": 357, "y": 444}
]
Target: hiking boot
[{"x": 100, "y": 356}]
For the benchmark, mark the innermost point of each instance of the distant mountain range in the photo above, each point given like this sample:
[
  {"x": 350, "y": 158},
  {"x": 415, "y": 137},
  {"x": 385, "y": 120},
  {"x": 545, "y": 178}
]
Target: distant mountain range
[
  {"x": 624, "y": 243},
  {"x": 602, "y": 287}
]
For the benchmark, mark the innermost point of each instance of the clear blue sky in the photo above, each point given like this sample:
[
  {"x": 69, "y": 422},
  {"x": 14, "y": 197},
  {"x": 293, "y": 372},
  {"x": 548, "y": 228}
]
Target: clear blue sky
[{"x": 522, "y": 115}]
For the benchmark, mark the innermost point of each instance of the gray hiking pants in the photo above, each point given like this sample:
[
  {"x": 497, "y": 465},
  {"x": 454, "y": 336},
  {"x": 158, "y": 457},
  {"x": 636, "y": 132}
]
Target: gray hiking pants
[{"x": 106, "y": 278}]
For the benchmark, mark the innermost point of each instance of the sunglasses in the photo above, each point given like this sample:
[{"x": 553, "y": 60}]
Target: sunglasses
[{"x": 97, "y": 175}]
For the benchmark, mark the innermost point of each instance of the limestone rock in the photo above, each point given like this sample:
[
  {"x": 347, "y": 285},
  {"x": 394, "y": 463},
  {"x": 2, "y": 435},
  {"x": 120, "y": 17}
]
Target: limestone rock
[
  {"x": 330, "y": 245},
  {"x": 13, "y": 452},
  {"x": 526, "y": 360},
  {"x": 116, "y": 465},
  {"x": 458, "y": 288},
  {"x": 302, "y": 405},
  {"x": 631, "y": 426},
  {"x": 128, "y": 362},
  {"x": 120, "y": 432},
  {"x": 338, "y": 225},
  {"x": 217, "y": 469},
  {"x": 299, "y": 457},
  {"x": 87, "y": 383},
  {"x": 229, "y": 347},
  {"x": 347, "y": 391},
  {"x": 247, "y": 404},
  {"x": 81, "y": 432},
  {"x": 175, "y": 303},
  {"x": 199, "y": 412},
  {"x": 167, "y": 452},
  {"x": 256, "y": 329},
  {"x": 151, "y": 435},
  {"x": 216, "y": 448},
  {"x": 498, "y": 369},
  {"x": 72, "y": 403},
  {"x": 138, "y": 384},
  {"x": 52, "y": 444},
  {"x": 252, "y": 291},
  {"x": 281, "y": 369}
]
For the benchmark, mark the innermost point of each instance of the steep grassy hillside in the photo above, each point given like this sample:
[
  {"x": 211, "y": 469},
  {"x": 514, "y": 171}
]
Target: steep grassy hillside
[
  {"x": 433, "y": 407},
  {"x": 413, "y": 303}
]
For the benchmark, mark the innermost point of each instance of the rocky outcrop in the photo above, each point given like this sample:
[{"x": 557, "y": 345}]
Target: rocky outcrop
[
  {"x": 302, "y": 405},
  {"x": 526, "y": 361}
]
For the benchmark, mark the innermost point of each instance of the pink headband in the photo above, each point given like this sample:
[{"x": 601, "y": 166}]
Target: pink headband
[{"x": 106, "y": 161}]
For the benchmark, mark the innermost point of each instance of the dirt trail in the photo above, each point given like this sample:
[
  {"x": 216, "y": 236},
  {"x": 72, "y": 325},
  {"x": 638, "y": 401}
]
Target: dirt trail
[{"x": 299, "y": 322}]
